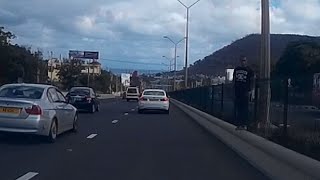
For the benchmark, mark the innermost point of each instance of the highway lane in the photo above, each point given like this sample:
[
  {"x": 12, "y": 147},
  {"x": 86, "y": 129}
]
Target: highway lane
[{"x": 118, "y": 143}]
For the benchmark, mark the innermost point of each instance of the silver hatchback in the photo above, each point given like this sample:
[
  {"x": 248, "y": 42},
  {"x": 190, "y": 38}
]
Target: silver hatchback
[{"x": 35, "y": 109}]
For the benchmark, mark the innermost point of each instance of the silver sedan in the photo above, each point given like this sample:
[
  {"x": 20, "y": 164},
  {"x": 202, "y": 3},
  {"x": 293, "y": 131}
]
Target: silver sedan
[
  {"x": 153, "y": 99},
  {"x": 36, "y": 109}
]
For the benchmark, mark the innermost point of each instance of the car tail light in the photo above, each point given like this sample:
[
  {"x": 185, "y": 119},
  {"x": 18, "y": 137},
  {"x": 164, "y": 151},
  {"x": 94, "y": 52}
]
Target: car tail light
[
  {"x": 165, "y": 99},
  {"x": 34, "y": 110}
]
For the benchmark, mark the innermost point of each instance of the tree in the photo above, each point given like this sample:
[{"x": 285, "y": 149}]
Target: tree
[
  {"x": 69, "y": 73},
  {"x": 5, "y": 37},
  {"x": 299, "y": 62},
  {"x": 19, "y": 62}
]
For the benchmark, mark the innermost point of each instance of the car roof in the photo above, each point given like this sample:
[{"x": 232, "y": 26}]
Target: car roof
[
  {"x": 80, "y": 87},
  {"x": 160, "y": 90},
  {"x": 29, "y": 84}
]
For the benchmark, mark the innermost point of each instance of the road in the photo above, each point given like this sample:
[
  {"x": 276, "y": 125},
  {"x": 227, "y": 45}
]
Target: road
[{"x": 137, "y": 146}]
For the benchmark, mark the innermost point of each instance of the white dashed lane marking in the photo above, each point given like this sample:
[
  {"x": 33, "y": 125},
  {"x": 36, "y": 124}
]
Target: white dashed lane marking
[
  {"x": 91, "y": 136},
  {"x": 126, "y": 114},
  {"x": 28, "y": 176},
  {"x": 114, "y": 121}
]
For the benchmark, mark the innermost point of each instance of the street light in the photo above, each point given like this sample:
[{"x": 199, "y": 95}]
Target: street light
[
  {"x": 175, "y": 57},
  {"x": 170, "y": 61},
  {"x": 187, "y": 41}
]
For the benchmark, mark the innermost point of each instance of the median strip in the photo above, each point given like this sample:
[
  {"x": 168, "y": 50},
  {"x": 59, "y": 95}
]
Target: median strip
[
  {"x": 91, "y": 136},
  {"x": 28, "y": 176}
]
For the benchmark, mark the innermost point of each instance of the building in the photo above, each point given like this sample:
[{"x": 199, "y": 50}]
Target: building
[
  {"x": 55, "y": 64},
  {"x": 53, "y": 69},
  {"x": 94, "y": 68}
]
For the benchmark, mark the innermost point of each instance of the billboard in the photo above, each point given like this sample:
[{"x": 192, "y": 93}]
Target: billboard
[
  {"x": 83, "y": 54},
  {"x": 125, "y": 79}
]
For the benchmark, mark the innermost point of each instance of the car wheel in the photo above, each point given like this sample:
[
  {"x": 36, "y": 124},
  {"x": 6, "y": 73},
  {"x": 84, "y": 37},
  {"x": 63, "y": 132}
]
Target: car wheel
[
  {"x": 128, "y": 100},
  {"x": 53, "y": 132},
  {"x": 75, "y": 123},
  {"x": 140, "y": 111},
  {"x": 98, "y": 108},
  {"x": 167, "y": 111},
  {"x": 93, "y": 108}
]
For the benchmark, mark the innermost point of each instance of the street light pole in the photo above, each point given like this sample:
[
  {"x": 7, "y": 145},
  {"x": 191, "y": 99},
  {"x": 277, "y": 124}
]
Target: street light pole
[
  {"x": 187, "y": 42},
  {"x": 170, "y": 63},
  {"x": 265, "y": 91},
  {"x": 175, "y": 58}
]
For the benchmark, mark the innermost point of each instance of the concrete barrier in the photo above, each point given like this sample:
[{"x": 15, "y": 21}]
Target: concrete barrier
[{"x": 273, "y": 160}]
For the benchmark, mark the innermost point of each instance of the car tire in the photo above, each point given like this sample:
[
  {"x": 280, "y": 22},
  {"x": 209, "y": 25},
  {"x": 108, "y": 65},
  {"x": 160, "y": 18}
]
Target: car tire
[
  {"x": 128, "y": 100},
  {"x": 75, "y": 124},
  {"x": 98, "y": 108},
  {"x": 92, "y": 108},
  {"x": 53, "y": 132},
  {"x": 167, "y": 111},
  {"x": 140, "y": 111}
]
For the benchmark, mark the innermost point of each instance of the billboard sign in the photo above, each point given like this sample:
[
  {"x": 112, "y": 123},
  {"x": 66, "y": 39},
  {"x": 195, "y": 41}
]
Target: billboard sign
[
  {"x": 125, "y": 79},
  {"x": 83, "y": 54},
  {"x": 91, "y": 55}
]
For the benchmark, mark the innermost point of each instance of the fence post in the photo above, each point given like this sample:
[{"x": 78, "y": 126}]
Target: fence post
[
  {"x": 285, "y": 107},
  {"x": 255, "y": 115},
  {"x": 204, "y": 106},
  {"x": 212, "y": 99},
  {"x": 221, "y": 103}
]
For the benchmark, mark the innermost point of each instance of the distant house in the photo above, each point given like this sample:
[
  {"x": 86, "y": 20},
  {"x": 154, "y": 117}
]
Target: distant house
[
  {"x": 55, "y": 64},
  {"x": 53, "y": 69},
  {"x": 94, "y": 68}
]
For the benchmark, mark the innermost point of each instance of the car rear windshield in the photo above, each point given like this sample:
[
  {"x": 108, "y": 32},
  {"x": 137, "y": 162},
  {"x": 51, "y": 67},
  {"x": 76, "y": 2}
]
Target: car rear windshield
[
  {"x": 132, "y": 90},
  {"x": 154, "y": 93},
  {"x": 80, "y": 91},
  {"x": 25, "y": 92}
]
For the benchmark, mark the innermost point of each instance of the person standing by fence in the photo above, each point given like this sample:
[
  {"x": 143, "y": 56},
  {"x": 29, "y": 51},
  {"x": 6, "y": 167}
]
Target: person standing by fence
[{"x": 243, "y": 81}]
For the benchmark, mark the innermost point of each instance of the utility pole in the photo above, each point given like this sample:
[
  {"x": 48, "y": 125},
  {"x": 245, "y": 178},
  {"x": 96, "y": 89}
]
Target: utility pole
[
  {"x": 175, "y": 59},
  {"x": 51, "y": 62},
  {"x": 265, "y": 91},
  {"x": 187, "y": 43},
  {"x": 88, "y": 83}
]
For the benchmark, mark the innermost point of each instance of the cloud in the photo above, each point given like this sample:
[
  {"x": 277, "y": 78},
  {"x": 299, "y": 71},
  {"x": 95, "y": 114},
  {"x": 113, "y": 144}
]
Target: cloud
[{"x": 133, "y": 30}]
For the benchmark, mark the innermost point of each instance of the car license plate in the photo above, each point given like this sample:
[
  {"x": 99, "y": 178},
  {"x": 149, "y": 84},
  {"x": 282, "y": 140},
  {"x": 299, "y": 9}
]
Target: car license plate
[
  {"x": 9, "y": 110},
  {"x": 154, "y": 99}
]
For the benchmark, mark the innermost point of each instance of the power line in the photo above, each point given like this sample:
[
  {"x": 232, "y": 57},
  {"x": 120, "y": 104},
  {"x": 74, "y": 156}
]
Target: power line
[{"x": 131, "y": 62}]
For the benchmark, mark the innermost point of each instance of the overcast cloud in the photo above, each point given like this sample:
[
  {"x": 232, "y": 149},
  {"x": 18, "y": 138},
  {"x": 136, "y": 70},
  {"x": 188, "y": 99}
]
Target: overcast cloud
[{"x": 133, "y": 30}]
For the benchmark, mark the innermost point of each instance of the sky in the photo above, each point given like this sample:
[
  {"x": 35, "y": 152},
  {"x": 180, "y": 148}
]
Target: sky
[{"x": 129, "y": 33}]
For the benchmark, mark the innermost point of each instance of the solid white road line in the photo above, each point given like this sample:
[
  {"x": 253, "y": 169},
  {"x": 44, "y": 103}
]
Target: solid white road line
[
  {"x": 114, "y": 121},
  {"x": 92, "y": 136},
  {"x": 28, "y": 176}
]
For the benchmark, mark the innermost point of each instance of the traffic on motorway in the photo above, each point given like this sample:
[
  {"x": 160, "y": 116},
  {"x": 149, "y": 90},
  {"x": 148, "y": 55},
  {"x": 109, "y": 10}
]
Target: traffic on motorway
[
  {"x": 39, "y": 109},
  {"x": 138, "y": 138}
]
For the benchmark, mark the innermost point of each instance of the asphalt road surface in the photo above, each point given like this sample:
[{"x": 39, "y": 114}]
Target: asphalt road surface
[{"x": 117, "y": 143}]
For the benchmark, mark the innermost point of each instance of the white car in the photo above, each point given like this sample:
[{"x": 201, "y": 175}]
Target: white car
[
  {"x": 153, "y": 99},
  {"x": 132, "y": 93}
]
